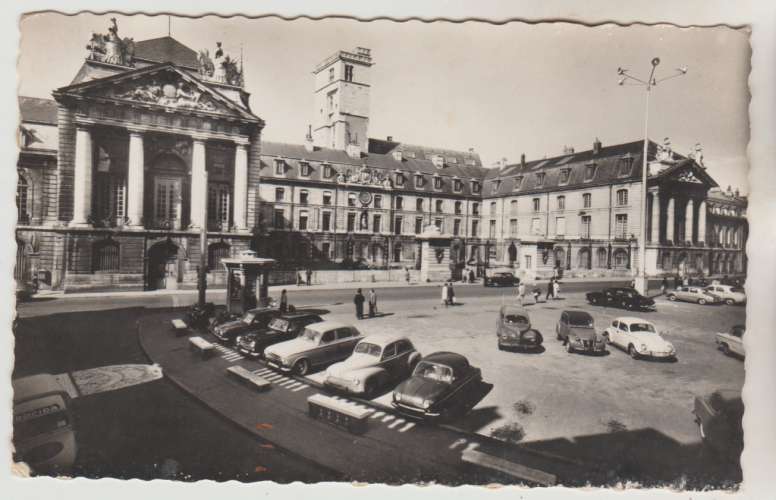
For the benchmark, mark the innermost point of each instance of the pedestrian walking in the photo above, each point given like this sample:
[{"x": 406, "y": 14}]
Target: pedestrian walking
[
  {"x": 536, "y": 294},
  {"x": 358, "y": 300},
  {"x": 283, "y": 302},
  {"x": 372, "y": 303},
  {"x": 444, "y": 294},
  {"x": 663, "y": 286},
  {"x": 465, "y": 275},
  {"x": 686, "y": 281},
  {"x": 632, "y": 284},
  {"x": 450, "y": 294},
  {"x": 471, "y": 275},
  {"x": 407, "y": 274},
  {"x": 299, "y": 279},
  {"x": 521, "y": 292},
  {"x": 550, "y": 290},
  {"x": 309, "y": 276},
  {"x": 555, "y": 290}
]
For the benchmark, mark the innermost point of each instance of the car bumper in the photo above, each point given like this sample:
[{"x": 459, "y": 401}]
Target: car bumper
[
  {"x": 649, "y": 307},
  {"x": 588, "y": 347},
  {"x": 517, "y": 343},
  {"x": 248, "y": 353},
  {"x": 412, "y": 411},
  {"x": 657, "y": 354},
  {"x": 277, "y": 365},
  {"x": 342, "y": 385}
]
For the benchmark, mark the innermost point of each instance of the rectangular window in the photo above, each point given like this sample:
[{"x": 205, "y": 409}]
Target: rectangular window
[
  {"x": 218, "y": 204},
  {"x": 456, "y": 227},
  {"x": 326, "y": 250},
  {"x": 621, "y": 226},
  {"x": 351, "y": 222},
  {"x": 378, "y": 201},
  {"x": 518, "y": 182},
  {"x": 327, "y": 197},
  {"x": 496, "y": 185},
  {"x": 348, "y": 72},
  {"x": 536, "y": 226},
  {"x": 585, "y": 229},
  {"x": 304, "y": 197},
  {"x": 513, "y": 227},
  {"x": 397, "y": 223},
  {"x": 399, "y": 180},
  {"x": 492, "y": 208},
  {"x": 589, "y": 173},
  {"x": 399, "y": 202},
  {"x": 540, "y": 179},
  {"x": 475, "y": 228},
  {"x": 528, "y": 261},
  {"x": 351, "y": 199},
  {"x": 560, "y": 226},
  {"x": 418, "y": 181},
  {"x": 280, "y": 217},
  {"x": 458, "y": 207},
  {"x": 418, "y": 225},
  {"x": 476, "y": 187},
  {"x": 537, "y": 204},
  {"x": 625, "y": 166},
  {"x": 304, "y": 169},
  {"x": 439, "y": 206},
  {"x": 303, "y": 216},
  {"x": 513, "y": 207},
  {"x": 437, "y": 183},
  {"x": 622, "y": 197},
  {"x": 280, "y": 194},
  {"x": 561, "y": 203},
  {"x": 492, "y": 229},
  {"x": 376, "y": 223},
  {"x": 439, "y": 223},
  {"x": 457, "y": 185},
  {"x": 587, "y": 200},
  {"x": 327, "y": 171},
  {"x": 280, "y": 167},
  {"x": 419, "y": 205},
  {"x": 475, "y": 208},
  {"x": 565, "y": 174},
  {"x": 326, "y": 221}
]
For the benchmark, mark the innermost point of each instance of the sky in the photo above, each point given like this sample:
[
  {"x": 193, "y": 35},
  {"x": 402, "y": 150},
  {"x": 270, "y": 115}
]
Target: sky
[{"x": 500, "y": 89}]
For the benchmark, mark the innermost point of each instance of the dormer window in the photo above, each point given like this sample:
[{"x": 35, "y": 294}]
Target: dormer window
[
  {"x": 452, "y": 160},
  {"x": 470, "y": 162},
  {"x": 328, "y": 171},
  {"x": 409, "y": 154},
  {"x": 418, "y": 180},
  {"x": 457, "y": 185},
  {"x": 304, "y": 169},
  {"x": 565, "y": 174},
  {"x": 589, "y": 172},
  {"x": 518, "y": 182},
  {"x": 280, "y": 167},
  {"x": 625, "y": 166},
  {"x": 476, "y": 187},
  {"x": 438, "y": 161},
  {"x": 540, "y": 179},
  {"x": 437, "y": 182},
  {"x": 496, "y": 185},
  {"x": 399, "y": 179}
]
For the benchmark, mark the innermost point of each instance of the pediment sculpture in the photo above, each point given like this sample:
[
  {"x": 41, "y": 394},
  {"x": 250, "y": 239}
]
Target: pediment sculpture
[
  {"x": 111, "y": 48},
  {"x": 688, "y": 176},
  {"x": 168, "y": 93}
]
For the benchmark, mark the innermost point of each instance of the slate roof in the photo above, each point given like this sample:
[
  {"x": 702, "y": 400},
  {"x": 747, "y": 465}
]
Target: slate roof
[
  {"x": 166, "y": 49},
  {"x": 37, "y": 110},
  {"x": 463, "y": 159}
]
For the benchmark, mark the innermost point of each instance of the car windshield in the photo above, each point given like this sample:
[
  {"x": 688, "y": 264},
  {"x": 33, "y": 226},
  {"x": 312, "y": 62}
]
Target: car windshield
[
  {"x": 248, "y": 318},
  {"x": 310, "y": 335},
  {"x": 737, "y": 289},
  {"x": 515, "y": 319},
  {"x": 642, "y": 328},
  {"x": 433, "y": 371},
  {"x": 367, "y": 348},
  {"x": 581, "y": 321},
  {"x": 279, "y": 324}
]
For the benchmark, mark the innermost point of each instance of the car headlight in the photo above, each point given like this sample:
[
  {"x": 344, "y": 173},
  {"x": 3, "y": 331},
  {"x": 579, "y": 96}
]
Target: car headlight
[
  {"x": 643, "y": 347},
  {"x": 426, "y": 403},
  {"x": 671, "y": 349},
  {"x": 285, "y": 361}
]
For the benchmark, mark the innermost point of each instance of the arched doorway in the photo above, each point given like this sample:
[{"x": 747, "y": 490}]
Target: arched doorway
[
  {"x": 583, "y": 258},
  {"x": 167, "y": 188},
  {"x": 512, "y": 250},
  {"x": 397, "y": 252},
  {"x": 681, "y": 264},
  {"x": 163, "y": 266},
  {"x": 560, "y": 258}
]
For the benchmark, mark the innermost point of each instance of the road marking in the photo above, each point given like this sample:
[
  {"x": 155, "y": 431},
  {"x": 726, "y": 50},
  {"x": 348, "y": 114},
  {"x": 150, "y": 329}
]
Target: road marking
[
  {"x": 231, "y": 357},
  {"x": 274, "y": 377},
  {"x": 396, "y": 423},
  {"x": 378, "y": 414},
  {"x": 295, "y": 384},
  {"x": 457, "y": 443},
  {"x": 288, "y": 383},
  {"x": 387, "y": 418},
  {"x": 263, "y": 370},
  {"x": 303, "y": 386},
  {"x": 407, "y": 427}
]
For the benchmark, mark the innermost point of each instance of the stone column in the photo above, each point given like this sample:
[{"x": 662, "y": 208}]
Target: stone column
[
  {"x": 82, "y": 179},
  {"x": 689, "y": 218},
  {"x": 655, "y": 237},
  {"x": 702, "y": 222},
  {"x": 670, "y": 220},
  {"x": 135, "y": 179},
  {"x": 241, "y": 186},
  {"x": 198, "y": 184}
]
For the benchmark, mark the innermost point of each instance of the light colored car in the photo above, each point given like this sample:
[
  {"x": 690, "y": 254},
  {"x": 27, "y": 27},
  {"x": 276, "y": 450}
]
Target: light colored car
[
  {"x": 377, "y": 361},
  {"x": 729, "y": 294},
  {"x": 693, "y": 294},
  {"x": 639, "y": 338},
  {"x": 732, "y": 342},
  {"x": 320, "y": 344}
]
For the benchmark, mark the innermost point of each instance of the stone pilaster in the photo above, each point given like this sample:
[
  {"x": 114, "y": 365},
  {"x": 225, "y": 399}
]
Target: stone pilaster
[
  {"x": 689, "y": 219},
  {"x": 702, "y": 222},
  {"x": 198, "y": 184},
  {"x": 241, "y": 186},
  {"x": 135, "y": 179},
  {"x": 670, "y": 219},
  {"x": 655, "y": 234},
  {"x": 82, "y": 178}
]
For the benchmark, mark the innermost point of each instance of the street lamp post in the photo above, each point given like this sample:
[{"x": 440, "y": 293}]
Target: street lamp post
[{"x": 628, "y": 79}]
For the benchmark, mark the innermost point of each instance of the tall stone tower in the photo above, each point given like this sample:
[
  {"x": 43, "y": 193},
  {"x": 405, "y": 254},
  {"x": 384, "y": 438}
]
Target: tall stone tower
[{"x": 341, "y": 118}]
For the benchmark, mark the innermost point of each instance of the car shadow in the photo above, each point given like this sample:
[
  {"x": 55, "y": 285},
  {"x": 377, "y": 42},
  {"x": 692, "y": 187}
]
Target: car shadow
[
  {"x": 533, "y": 350},
  {"x": 476, "y": 419},
  {"x": 313, "y": 310},
  {"x": 378, "y": 315}
]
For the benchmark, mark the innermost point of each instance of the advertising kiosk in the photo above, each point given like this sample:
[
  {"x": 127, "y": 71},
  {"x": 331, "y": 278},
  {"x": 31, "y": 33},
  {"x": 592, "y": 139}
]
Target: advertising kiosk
[{"x": 247, "y": 281}]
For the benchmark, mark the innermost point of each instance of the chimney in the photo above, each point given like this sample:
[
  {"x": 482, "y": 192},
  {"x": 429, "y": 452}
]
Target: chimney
[
  {"x": 438, "y": 161},
  {"x": 389, "y": 138},
  {"x": 522, "y": 160},
  {"x": 308, "y": 140},
  {"x": 596, "y": 146},
  {"x": 353, "y": 150}
]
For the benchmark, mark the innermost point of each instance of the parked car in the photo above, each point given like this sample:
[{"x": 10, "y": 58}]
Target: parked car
[
  {"x": 639, "y": 338},
  {"x": 514, "y": 330},
  {"x": 320, "y": 344},
  {"x": 719, "y": 416},
  {"x": 377, "y": 361},
  {"x": 439, "y": 386},
  {"x": 693, "y": 294},
  {"x": 252, "y": 321},
  {"x": 622, "y": 297},
  {"x": 500, "y": 279},
  {"x": 279, "y": 329},
  {"x": 732, "y": 342},
  {"x": 729, "y": 294},
  {"x": 577, "y": 331}
]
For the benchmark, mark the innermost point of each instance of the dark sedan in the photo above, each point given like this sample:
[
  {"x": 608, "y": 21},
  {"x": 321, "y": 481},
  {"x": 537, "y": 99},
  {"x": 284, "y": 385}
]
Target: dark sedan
[
  {"x": 577, "y": 331},
  {"x": 719, "y": 416},
  {"x": 500, "y": 279},
  {"x": 514, "y": 330},
  {"x": 439, "y": 387},
  {"x": 281, "y": 328},
  {"x": 625, "y": 298},
  {"x": 252, "y": 321}
]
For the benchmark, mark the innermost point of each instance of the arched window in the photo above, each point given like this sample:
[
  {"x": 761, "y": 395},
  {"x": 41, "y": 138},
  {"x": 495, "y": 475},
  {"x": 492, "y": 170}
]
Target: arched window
[
  {"x": 105, "y": 256},
  {"x": 622, "y": 197},
  {"x": 218, "y": 205},
  {"x": 560, "y": 257},
  {"x": 600, "y": 256},
  {"x": 23, "y": 200},
  {"x": 216, "y": 252},
  {"x": 620, "y": 258},
  {"x": 583, "y": 256}
]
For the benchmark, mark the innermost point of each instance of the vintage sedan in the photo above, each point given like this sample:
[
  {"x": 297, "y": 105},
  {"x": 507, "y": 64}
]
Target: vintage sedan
[
  {"x": 576, "y": 329},
  {"x": 376, "y": 362},
  {"x": 514, "y": 330},
  {"x": 639, "y": 338},
  {"x": 719, "y": 416},
  {"x": 694, "y": 294},
  {"x": 622, "y": 297},
  {"x": 729, "y": 294},
  {"x": 732, "y": 342},
  {"x": 252, "y": 321},
  {"x": 439, "y": 387},
  {"x": 500, "y": 279},
  {"x": 280, "y": 329},
  {"x": 320, "y": 344}
]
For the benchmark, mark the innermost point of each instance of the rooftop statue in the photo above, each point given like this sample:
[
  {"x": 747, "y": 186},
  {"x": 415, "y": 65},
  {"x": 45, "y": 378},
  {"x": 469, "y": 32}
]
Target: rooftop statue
[
  {"x": 221, "y": 68},
  {"x": 110, "y": 48}
]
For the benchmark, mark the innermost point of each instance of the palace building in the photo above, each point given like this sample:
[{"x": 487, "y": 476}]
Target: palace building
[{"x": 152, "y": 141}]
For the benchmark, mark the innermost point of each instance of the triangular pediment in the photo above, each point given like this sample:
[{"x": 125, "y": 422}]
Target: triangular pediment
[
  {"x": 163, "y": 85},
  {"x": 687, "y": 172}
]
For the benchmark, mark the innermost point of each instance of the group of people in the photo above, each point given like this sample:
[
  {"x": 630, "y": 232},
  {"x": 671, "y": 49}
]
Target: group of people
[
  {"x": 448, "y": 294},
  {"x": 553, "y": 290},
  {"x": 467, "y": 275},
  {"x": 307, "y": 278},
  {"x": 371, "y": 300}
]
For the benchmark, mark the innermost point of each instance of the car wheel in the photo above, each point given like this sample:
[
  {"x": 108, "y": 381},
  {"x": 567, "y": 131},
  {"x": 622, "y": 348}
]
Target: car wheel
[
  {"x": 301, "y": 367},
  {"x": 632, "y": 352},
  {"x": 730, "y": 302},
  {"x": 569, "y": 347},
  {"x": 608, "y": 340},
  {"x": 369, "y": 389},
  {"x": 594, "y": 301},
  {"x": 557, "y": 334},
  {"x": 500, "y": 347},
  {"x": 725, "y": 349},
  {"x": 702, "y": 302},
  {"x": 672, "y": 298}
]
